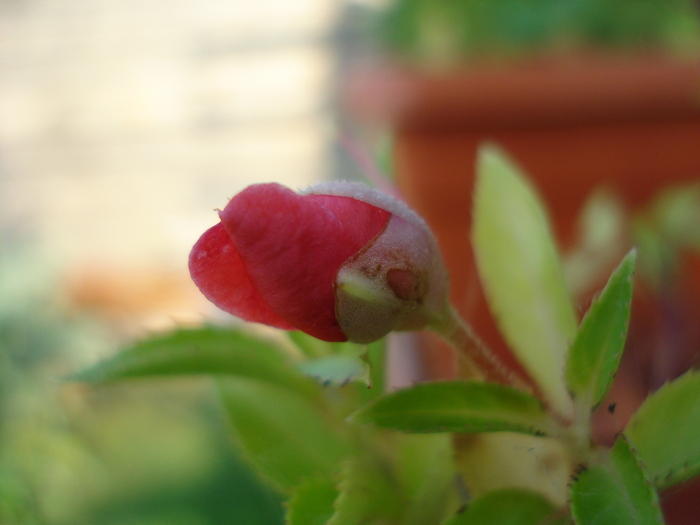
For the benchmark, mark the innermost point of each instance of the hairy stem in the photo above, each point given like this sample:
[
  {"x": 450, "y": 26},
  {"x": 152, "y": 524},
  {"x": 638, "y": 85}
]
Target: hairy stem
[{"x": 475, "y": 358}]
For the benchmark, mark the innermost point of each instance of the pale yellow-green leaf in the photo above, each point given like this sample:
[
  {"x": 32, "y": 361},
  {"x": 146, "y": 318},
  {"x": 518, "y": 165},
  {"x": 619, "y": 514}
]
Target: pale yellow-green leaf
[{"x": 521, "y": 273}]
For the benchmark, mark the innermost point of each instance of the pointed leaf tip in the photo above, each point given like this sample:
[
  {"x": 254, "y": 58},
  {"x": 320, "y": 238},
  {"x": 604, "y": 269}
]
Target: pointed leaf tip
[{"x": 596, "y": 351}]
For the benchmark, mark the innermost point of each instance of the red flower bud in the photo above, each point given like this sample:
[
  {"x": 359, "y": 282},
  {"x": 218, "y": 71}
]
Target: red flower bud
[{"x": 338, "y": 261}]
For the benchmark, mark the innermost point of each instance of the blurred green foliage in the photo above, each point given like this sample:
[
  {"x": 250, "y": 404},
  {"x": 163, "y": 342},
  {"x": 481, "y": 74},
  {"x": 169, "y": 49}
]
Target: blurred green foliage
[
  {"x": 109, "y": 447},
  {"x": 133, "y": 454},
  {"x": 345, "y": 454},
  {"x": 443, "y": 30}
]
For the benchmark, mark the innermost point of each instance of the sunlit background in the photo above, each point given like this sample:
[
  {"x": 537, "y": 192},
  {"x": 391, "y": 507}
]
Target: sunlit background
[{"x": 123, "y": 126}]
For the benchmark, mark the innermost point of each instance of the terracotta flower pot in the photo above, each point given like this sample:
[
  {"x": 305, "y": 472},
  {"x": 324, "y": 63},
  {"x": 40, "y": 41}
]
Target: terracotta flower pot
[{"x": 574, "y": 124}]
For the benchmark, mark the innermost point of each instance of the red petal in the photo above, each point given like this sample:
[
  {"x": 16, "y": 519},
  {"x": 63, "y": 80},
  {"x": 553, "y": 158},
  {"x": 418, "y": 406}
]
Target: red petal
[
  {"x": 218, "y": 272},
  {"x": 293, "y": 246}
]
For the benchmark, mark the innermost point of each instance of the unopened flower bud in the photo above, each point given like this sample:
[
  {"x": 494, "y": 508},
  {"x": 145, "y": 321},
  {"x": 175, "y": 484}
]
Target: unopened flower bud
[{"x": 339, "y": 261}]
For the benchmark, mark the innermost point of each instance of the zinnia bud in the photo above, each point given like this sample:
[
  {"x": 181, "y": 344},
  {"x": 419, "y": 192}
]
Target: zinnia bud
[{"x": 338, "y": 261}]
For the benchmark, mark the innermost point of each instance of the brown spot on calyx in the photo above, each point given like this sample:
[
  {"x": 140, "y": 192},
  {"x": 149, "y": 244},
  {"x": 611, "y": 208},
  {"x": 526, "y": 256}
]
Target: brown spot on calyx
[{"x": 404, "y": 283}]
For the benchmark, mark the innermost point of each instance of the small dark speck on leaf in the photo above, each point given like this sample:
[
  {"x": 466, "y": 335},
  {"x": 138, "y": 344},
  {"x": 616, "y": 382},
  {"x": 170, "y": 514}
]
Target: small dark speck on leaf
[{"x": 611, "y": 407}]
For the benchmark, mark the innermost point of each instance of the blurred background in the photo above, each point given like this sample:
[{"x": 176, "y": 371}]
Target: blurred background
[{"x": 124, "y": 124}]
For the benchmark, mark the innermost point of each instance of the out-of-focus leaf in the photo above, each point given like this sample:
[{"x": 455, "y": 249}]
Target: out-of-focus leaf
[
  {"x": 340, "y": 363},
  {"x": 676, "y": 213},
  {"x": 200, "y": 351},
  {"x": 656, "y": 257},
  {"x": 312, "y": 503},
  {"x": 369, "y": 493},
  {"x": 376, "y": 357},
  {"x": 337, "y": 369},
  {"x": 597, "y": 348},
  {"x": 427, "y": 469},
  {"x": 665, "y": 231},
  {"x": 286, "y": 436},
  {"x": 666, "y": 431},
  {"x": 600, "y": 242},
  {"x": 522, "y": 275},
  {"x": 309, "y": 345},
  {"x": 457, "y": 406},
  {"x": 497, "y": 460},
  {"x": 617, "y": 492},
  {"x": 398, "y": 478},
  {"x": 506, "y": 507}
]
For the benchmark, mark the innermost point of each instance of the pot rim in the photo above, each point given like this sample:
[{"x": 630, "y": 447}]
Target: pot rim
[{"x": 547, "y": 91}]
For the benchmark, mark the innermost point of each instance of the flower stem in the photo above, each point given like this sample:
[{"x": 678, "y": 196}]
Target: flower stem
[{"x": 475, "y": 358}]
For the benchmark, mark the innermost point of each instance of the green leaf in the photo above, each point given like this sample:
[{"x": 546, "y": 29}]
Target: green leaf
[
  {"x": 376, "y": 357},
  {"x": 369, "y": 493},
  {"x": 312, "y": 503},
  {"x": 337, "y": 369},
  {"x": 457, "y": 406},
  {"x": 666, "y": 431},
  {"x": 506, "y": 507},
  {"x": 200, "y": 351},
  {"x": 522, "y": 275},
  {"x": 676, "y": 214},
  {"x": 498, "y": 460},
  {"x": 616, "y": 492},
  {"x": 597, "y": 348},
  {"x": 339, "y": 363},
  {"x": 600, "y": 239},
  {"x": 285, "y": 436},
  {"x": 309, "y": 345},
  {"x": 427, "y": 471},
  {"x": 397, "y": 478}
]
